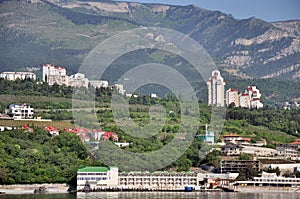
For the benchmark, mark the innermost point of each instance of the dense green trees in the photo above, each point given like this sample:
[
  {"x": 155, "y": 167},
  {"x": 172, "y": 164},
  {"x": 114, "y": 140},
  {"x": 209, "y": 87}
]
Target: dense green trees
[
  {"x": 36, "y": 157},
  {"x": 287, "y": 121}
]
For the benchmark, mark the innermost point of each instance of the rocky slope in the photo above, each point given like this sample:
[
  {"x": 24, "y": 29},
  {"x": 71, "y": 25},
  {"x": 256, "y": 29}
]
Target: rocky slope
[{"x": 64, "y": 31}]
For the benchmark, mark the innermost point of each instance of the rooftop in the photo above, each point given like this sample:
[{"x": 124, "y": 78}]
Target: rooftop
[{"x": 93, "y": 169}]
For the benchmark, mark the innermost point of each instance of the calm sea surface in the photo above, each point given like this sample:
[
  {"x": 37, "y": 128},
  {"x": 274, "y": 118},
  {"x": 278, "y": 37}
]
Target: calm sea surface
[{"x": 156, "y": 195}]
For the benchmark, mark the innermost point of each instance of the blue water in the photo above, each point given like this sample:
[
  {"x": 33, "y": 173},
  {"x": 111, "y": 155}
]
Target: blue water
[{"x": 155, "y": 195}]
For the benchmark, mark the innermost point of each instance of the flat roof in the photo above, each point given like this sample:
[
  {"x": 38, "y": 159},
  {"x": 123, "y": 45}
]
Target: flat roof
[{"x": 93, "y": 169}]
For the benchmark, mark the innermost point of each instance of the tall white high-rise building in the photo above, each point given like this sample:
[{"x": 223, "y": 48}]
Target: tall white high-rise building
[{"x": 216, "y": 85}]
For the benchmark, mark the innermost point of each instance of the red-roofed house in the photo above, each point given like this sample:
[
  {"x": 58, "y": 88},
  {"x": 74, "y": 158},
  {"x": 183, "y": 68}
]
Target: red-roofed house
[
  {"x": 27, "y": 128},
  {"x": 52, "y": 130},
  {"x": 236, "y": 139},
  {"x": 108, "y": 135}
]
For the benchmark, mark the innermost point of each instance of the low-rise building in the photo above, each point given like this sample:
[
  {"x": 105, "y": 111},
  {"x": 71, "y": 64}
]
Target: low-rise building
[
  {"x": 119, "y": 88},
  {"x": 52, "y": 130},
  {"x": 288, "y": 150},
  {"x": 99, "y": 83},
  {"x": 231, "y": 149},
  {"x": 271, "y": 180},
  {"x": 17, "y": 75},
  {"x": 78, "y": 80},
  {"x": 109, "y": 177},
  {"x": 20, "y": 111},
  {"x": 158, "y": 179},
  {"x": 234, "y": 166},
  {"x": 95, "y": 177},
  {"x": 236, "y": 139}
]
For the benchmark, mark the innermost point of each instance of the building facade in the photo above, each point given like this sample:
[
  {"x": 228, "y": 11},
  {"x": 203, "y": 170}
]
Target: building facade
[
  {"x": 216, "y": 85},
  {"x": 234, "y": 166},
  {"x": 232, "y": 97},
  {"x": 13, "y": 76},
  {"x": 20, "y": 111},
  {"x": 100, "y": 178},
  {"x": 99, "y": 83},
  {"x": 78, "y": 80},
  {"x": 158, "y": 179},
  {"x": 55, "y": 74},
  {"x": 96, "y": 177}
]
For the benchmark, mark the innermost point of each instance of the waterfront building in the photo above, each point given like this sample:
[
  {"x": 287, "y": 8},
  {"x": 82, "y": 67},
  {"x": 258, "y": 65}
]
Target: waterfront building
[
  {"x": 20, "y": 111},
  {"x": 232, "y": 97},
  {"x": 158, "y": 179},
  {"x": 97, "y": 177},
  {"x": 216, "y": 85},
  {"x": 13, "y": 76},
  {"x": 271, "y": 179}
]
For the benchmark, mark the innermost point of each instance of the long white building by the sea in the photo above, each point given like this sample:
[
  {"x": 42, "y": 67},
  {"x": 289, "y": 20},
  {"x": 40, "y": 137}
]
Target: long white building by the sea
[{"x": 102, "y": 177}]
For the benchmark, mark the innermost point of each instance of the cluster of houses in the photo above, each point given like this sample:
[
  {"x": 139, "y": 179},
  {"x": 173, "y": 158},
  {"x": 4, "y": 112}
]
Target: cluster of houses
[
  {"x": 88, "y": 135},
  {"x": 249, "y": 99},
  {"x": 236, "y": 145},
  {"x": 216, "y": 87},
  {"x": 58, "y": 75},
  {"x": 13, "y": 76}
]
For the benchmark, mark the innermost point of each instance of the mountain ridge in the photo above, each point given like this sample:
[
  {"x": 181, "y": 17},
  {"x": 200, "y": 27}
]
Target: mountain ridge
[{"x": 246, "y": 48}]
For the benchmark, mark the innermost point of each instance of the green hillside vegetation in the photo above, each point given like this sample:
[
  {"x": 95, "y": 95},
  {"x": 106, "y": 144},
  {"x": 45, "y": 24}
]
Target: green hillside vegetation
[
  {"x": 36, "y": 157},
  {"x": 44, "y": 152}
]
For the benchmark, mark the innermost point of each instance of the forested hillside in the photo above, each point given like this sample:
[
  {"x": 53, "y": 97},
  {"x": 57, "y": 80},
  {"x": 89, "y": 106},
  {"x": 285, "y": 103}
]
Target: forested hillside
[{"x": 64, "y": 32}]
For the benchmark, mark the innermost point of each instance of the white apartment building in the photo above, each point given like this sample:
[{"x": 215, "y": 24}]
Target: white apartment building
[
  {"x": 255, "y": 96},
  {"x": 55, "y": 74},
  {"x": 78, "y": 80},
  {"x": 99, "y": 83},
  {"x": 97, "y": 177},
  {"x": 17, "y": 75},
  {"x": 216, "y": 85},
  {"x": 232, "y": 96},
  {"x": 158, "y": 179},
  {"x": 244, "y": 100},
  {"x": 20, "y": 111},
  {"x": 119, "y": 88}
]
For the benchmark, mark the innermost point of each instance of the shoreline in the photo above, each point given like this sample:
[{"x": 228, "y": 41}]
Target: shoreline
[{"x": 29, "y": 188}]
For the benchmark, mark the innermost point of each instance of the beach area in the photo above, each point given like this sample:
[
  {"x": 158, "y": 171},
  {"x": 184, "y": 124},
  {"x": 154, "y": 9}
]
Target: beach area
[{"x": 29, "y": 188}]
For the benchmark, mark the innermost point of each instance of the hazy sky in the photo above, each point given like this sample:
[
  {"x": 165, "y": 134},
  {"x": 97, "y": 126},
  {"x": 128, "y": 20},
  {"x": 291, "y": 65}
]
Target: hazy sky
[{"x": 268, "y": 10}]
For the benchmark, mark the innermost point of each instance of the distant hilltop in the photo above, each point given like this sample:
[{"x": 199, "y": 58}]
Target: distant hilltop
[{"x": 63, "y": 32}]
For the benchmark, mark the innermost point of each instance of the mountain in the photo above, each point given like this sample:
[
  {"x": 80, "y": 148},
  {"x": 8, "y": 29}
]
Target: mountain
[{"x": 62, "y": 32}]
